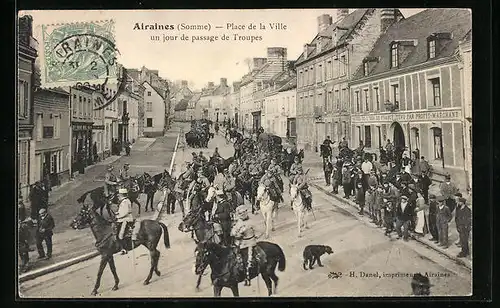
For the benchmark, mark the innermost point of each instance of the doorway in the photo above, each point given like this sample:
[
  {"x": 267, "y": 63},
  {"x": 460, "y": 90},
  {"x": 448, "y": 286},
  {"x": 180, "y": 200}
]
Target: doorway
[{"x": 399, "y": 136}]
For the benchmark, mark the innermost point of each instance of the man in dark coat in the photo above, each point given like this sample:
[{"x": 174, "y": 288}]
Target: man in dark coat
[
  {"x": 443, "y": 218},
  {"x": 432, "y": 218},
  {"x": 44, "y": 233},
  {"x": 448, "y": 191},
  {"x": 463, "y": 220},
  {"x": 39, "y": 198},
  {"x": 424, "y": 182},
  {"x": 327, "y": 169},
  {"x": 404, "y": 214}
]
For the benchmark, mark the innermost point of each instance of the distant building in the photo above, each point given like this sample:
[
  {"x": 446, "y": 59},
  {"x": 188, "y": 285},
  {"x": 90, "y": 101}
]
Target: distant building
[
  {"x": 179, "y": 92},
  {"x": 253, "y": 84},
  {"x": 212, "y": 101},
  {"x": 98, "y": 127},
  {"x": 279, "y": 104},
  {"x": 325, "y": 67},
  {"x": 180, "y": 110},
  {"x": 52, "y": 136},
  {"x": 234, "y": 104},
  {"x": 154, "y": 101},
  {"x": 111, "y": 119},
  {"x": 191, "y": 107},
  {"x": 409, "y": 90}
]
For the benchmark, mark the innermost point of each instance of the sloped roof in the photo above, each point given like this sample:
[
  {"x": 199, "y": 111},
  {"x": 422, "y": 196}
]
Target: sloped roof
[
  {"x": 419, "y": 27},
  {"x": 349, "y": 22},
  {"x": 194, "y": 99},
  {"x": 157, "y": 89},
  {"x": 291, "y": 84}
]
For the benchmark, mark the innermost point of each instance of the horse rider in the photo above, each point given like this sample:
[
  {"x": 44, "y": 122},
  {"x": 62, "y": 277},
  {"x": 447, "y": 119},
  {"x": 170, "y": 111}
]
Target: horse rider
[
  {"x": 123, "y": 216},
  {"x": 269, "y": 181},
  {"x": 201, "y": 183},
  {"x": 244, "y": 236},
  {"x": 202, "y": 159},
  {"x": 229, "y": 185},
  {"x": 303, "y": 188},
  {"x": 110, "y": 183},
  {"x": 180, "y": 186},
  {"x": 294, "y": 169},
  {"x": 221, "y": 214},
  {"x": 219, "y": 179},
  {"x": 216, "y": 153},
  {"x": 126, "y": 178}
]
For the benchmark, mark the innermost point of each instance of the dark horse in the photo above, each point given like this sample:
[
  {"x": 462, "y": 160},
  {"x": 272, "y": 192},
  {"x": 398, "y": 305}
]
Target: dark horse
[
  {"x": 149, "y": 235},
  {"x": 99, "y": 200},
  {"x": 151, "y": 184},
  {"x": 195, "y": 223},
  {"x": 226, "y": 272}
]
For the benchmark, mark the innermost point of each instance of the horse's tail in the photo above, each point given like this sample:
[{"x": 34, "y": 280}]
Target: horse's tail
[
  {"x": 166, "y": 238},
  {"x": 82, "y": 198},
  {"x": 281, "y": 259}
]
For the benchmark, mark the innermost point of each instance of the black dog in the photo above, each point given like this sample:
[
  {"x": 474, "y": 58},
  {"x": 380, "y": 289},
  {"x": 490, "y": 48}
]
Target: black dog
[{"x": 312, "y": 253}]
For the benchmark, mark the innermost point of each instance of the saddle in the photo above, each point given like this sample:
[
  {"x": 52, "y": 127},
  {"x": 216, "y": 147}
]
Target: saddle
[
  {"x": 258, "y": 257},
  {"x": 131, "y": 229}
]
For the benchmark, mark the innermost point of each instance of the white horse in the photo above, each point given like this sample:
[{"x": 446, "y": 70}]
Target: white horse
[
  {"x": 268, "y": 208},
  {"x": 299, "y": 208}
]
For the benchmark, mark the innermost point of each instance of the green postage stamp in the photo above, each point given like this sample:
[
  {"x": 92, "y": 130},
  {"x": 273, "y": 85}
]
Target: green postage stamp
[{"x": 78, "y": 53}]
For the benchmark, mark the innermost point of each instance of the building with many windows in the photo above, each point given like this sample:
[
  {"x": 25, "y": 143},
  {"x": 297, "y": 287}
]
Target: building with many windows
[
  {"x": 82, "y": 120},
  {"x": 278, "y": 114},
  {"x": 98, "y": 127},
  {"x": 192, "y": 106},
  {"x": 234, "y": 103},
  {"x": 27, "y": 53},
  {"x": 52, "y": 136},
  {"x": 409, "y": 90},
  {"x": 325, "y": 67}
]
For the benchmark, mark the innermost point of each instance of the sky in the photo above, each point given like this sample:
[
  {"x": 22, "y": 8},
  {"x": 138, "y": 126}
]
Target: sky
[{"x": 199, "y": 62}]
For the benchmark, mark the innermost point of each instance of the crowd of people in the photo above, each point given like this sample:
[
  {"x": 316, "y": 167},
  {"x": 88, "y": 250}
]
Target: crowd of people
[{"x": 394, "y": 192}]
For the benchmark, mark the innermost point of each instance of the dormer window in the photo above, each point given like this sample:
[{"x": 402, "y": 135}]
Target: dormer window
[
  {"x": 431, "y": 49},
  {"x": 394, "y": 55},
  {"x": 366, "y": 68}
]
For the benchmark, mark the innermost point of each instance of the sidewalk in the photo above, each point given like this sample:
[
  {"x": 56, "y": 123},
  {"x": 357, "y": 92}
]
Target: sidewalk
[{"x": 319, "y": 183}]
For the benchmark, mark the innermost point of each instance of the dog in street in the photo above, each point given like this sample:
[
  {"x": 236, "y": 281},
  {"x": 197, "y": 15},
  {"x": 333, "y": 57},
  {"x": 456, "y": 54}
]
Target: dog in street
[{"x": 313, "y": 253}]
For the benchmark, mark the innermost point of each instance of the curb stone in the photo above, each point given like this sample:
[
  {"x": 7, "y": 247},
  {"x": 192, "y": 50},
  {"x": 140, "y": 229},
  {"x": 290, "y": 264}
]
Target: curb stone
[{"x": 448, "y": 255}]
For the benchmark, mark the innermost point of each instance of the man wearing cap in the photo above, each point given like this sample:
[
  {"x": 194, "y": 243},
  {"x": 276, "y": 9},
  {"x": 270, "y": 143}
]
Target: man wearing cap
[
  {"x": 463, "y": 220},
  {"x": 123, "y": 216},
  {"x": 388, "y": 209},
  {"x": 303, "y": 188},
  {"x": 420, "y": 285},
  {"x": 110, "y": 183},
  {"x": 404, "y": 214},
  {"x": 124, "y": 175},
  {"x": 44, "y": 233},
  {"x": 448, "y": 191},
  {"x": 443, "y": 218},
  {"x": 244, "y": 236}
]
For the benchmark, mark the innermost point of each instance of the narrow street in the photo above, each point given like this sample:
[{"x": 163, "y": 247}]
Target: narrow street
[
  {"x": 367, "y": 261},
  {"x": 152, "y": 157}
]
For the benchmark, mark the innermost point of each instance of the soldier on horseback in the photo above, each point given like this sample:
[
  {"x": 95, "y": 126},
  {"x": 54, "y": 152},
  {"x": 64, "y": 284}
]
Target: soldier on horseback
[
  {"x": 127, "y": 179},
  {"x": 123, "y": 216},
  {"x": 294, "y": 169},
  {"x": 244, "y": 236},
  {"x": 202, "y": 159},
  {"x": 200, "y": 184},
  {"x": 229, "y": 185},
  {"x": 110, "y": 183},
  {"x": 221, "y": 214},
  {"x": 301, "y": 182}
]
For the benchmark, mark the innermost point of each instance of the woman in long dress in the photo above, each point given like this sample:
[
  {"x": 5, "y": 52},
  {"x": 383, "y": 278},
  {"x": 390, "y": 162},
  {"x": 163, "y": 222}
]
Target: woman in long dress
[{"x": 420, "y": 209}]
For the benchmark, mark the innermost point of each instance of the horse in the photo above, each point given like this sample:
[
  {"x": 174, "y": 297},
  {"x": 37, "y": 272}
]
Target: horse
[
  {"x": 149, "y": 185},
  {"x": 148, "y": 235},
  {"x": 224, "y": 265},
  {"x": 196, "y": 223},
  {"x": 299, "y": 208},
  {"x": 268, "y": 208},
  {"x": 100, "y": 201}
]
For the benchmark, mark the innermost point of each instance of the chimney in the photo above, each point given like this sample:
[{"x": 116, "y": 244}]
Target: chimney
[
  {"x": 223, "y": 82},
  {"x": 341, "y": 14},
  {"x": 184, "y": 83},
  {"x": 25, "y": 28},
  {"x": 323, "y": 22},
  {"x": 277, "y": 55},
  {"x": 387, "y": 18},
  {"x": 210, "y": 85},
  {"x": 236, "y": 86}
]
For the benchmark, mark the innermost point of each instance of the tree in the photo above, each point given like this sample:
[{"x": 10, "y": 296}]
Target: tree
[{"x": 248, "y": 62}]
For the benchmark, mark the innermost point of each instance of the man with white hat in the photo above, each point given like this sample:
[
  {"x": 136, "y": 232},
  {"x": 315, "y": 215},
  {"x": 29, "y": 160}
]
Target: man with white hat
[
  {"x": 123, "y": 216},
  {"x": 244, "y": 236},
  {"x": 44, "y": 233}
]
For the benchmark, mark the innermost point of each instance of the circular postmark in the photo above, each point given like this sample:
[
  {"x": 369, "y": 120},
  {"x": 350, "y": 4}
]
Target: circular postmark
[{"x": 81, "y": 52}]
